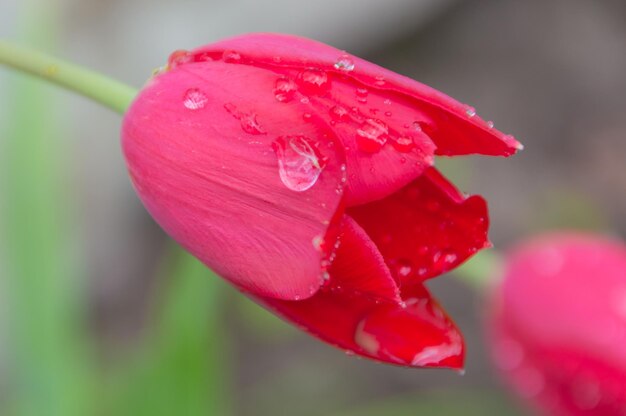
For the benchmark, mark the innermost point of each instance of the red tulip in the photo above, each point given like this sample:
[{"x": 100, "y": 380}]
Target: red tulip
[
  {"x": 558, "y": 326},
  {"x": 304, "y": 176}
]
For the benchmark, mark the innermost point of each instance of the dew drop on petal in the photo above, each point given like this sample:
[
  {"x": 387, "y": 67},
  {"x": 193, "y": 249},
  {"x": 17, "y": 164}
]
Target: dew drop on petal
[
  {"x": 313, "y": 81},
  {"x": 194, "y": 99},
  {"x": 318, "y": 242},
  {"x": 380, "y": 81},
  {"x": 339, "y": 113},
  {"x": 490, "y": 124},
  {"x": 299, "y": 162},
  {"x": 403, "y": 144},
  {"x": 248, "y": 121},
  {"x": 284, "y": 89},
  {"x": 361, "y": 95},
  {"x": 364, "y": 340},
  {"x": 388, "y": 113},
  {"x": 344, "y": 64},
  {"x": 470, "y": 111},
  {"x": 403, "y": 269},
  {"x": 372, "y": 135},
  {"x": 387, "y": 102},
  {"x": 178, "y": 57},
  {"x": 231, "y": 56}
]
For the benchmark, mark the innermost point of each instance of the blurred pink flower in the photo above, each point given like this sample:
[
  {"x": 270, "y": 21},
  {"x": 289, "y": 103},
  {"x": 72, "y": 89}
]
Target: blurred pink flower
[
  {"x": 303, "y": 175},
  {"x": 558, "y": 324}
]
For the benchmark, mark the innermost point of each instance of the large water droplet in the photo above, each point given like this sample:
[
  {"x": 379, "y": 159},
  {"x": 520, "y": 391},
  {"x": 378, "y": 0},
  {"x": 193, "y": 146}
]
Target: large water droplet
[
  {"x": 194, "y": 99},
  {"x": 248, "y": 121},
  {"x": 372, "y": 135},
  {"x": 284, "y": 89},
  {"x": 313, "y": 81},
  {"x": 345, "y": 63},
  {"x": 299, "y": 162}
]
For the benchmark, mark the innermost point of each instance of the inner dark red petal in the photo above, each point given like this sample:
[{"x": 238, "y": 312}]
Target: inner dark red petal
[
  {"x": 416, "y": 334},
  {"x": 426, "y": 228},
  {"x": 358, "y": 267}
]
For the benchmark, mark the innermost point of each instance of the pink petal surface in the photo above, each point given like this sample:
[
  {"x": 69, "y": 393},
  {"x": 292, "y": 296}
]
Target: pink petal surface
[
  {"x": 203, "y": 164},
  {"x": 558, "y": 324},
  {"x": 426, "y": 228},
  {"x": 453, "y": 127}
]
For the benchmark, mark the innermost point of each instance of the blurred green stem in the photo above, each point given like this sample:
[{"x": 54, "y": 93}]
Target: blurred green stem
[
  {"x": 110, "y": 93},
  {"x": 481, "y": 271}
]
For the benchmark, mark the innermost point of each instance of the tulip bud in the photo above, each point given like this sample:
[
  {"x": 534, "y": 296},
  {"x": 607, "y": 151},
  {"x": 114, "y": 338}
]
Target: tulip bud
[
  {"x": 304, "y": 176},
  {"x": 558, "y": 325}
]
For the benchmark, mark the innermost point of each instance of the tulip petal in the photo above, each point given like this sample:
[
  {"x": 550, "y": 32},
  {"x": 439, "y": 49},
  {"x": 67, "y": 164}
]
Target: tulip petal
[
  {"x": 248, "y": 203},
  {"x": 359, "y": 267},
  {"x": 425, "y": 229},
  {"x": 417, "y": 334},
  {"x": 454, "y": 127}
]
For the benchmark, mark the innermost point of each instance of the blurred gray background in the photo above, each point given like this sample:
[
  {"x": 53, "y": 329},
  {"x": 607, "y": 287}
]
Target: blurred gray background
[{"x": 550, "y": 72}]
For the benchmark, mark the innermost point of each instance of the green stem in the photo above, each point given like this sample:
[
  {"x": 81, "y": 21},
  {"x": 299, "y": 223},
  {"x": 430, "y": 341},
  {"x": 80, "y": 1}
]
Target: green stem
[{"x": 110, "y": 93}]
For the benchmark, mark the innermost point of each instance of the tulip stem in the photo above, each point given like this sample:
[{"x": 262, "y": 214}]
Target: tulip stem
[{"x": 106, "y": 91}]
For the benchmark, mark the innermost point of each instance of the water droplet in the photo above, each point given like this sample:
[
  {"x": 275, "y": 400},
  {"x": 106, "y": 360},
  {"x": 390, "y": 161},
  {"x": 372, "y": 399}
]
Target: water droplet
[
  {"x": 380, "y": 81},
  {"x": 361, "y": 95},
  {"x": 387, "y": 102},
  {"x": 299, "y": 162},
  {"x": 417, "y": 126},
  {"x": 339, "y": 113},
  {"x": 178, "y": 57},
  {"x": 490, "y": 124},
  {"x": 344, "y": 64},
  {"x": 231, "y": 56},
  {"x": 403, "y": 269},
  {"x": 307, "y": 116},
  {"x": 284, "y": 89},
  {"x": 372, "y": 135},
  {"x": 318, "y": 242},
  {"x": 388, "y": 113},
  {"x": 313, "y": 81},
  {"x": 403, "y": 144},
  {"x": 248, "y": 121},
  {"x": 364, "y": 340},
  {"x": 277, "y": 59},
  {"x": 443, "y": 260},
  {"x": 470, "y": 111},
  {"x": 194, "y": 99}
]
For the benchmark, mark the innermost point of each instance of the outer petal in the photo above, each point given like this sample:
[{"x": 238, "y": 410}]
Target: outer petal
[
  {"x": 198, "y": 141},
  {"x": 360, "y": 310},
  {"x": 425, "y": 229},
  {"x": 453, "y": 126}
]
